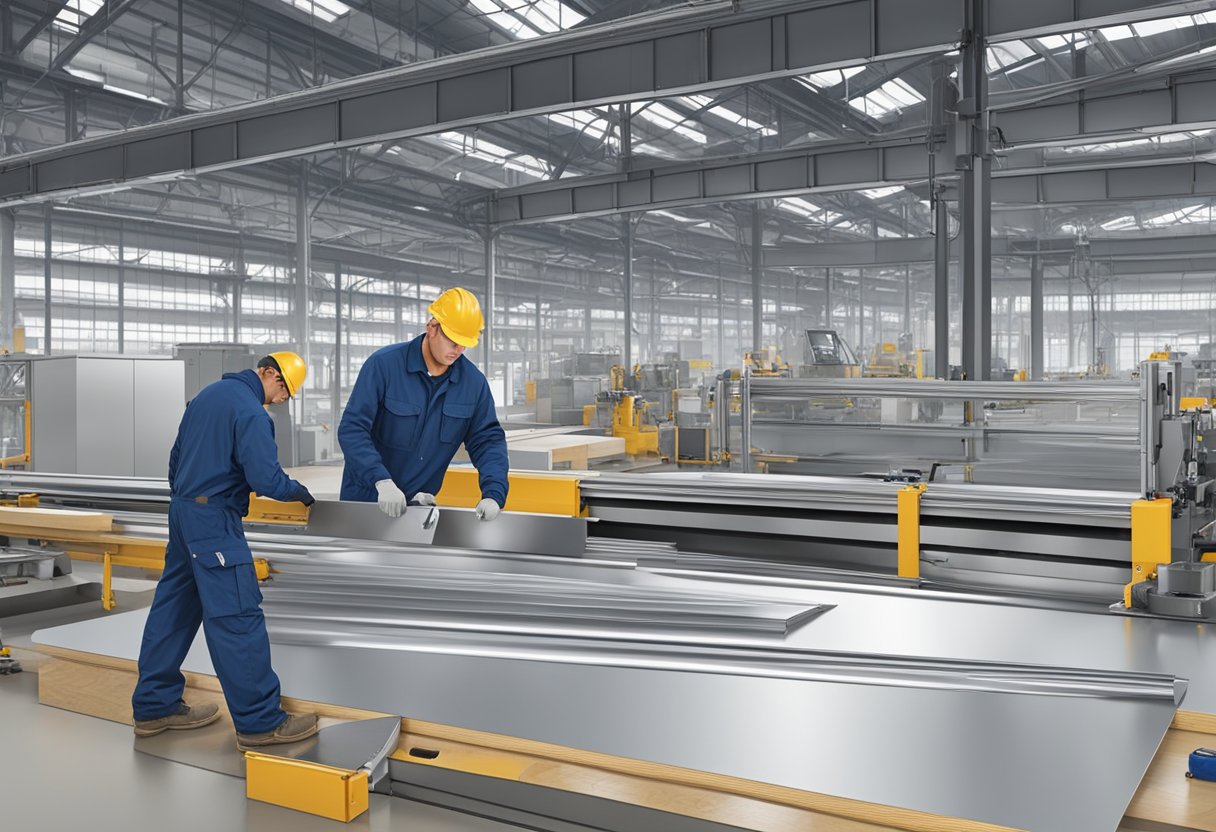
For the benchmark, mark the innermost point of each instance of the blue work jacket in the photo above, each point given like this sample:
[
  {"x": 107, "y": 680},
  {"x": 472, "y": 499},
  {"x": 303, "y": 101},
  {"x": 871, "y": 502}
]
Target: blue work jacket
[
  {"x": 396, "y": 427},
  {"x": 225, "y": 447}
]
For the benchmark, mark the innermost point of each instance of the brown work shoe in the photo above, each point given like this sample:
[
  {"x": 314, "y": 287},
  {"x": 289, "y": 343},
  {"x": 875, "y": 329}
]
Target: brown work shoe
[
  {"x": 187, "y": 716},
  {"x": 293, "y": 729}
]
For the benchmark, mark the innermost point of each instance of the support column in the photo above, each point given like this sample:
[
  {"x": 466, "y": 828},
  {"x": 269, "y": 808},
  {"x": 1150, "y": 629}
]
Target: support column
[
  {"x": 827, "y": 299},
  {"x": 303, "y": 276},
  {"x": 907, "y": 300},
  {"x": 46, "y": 281},
  {"x": 941, "y": 289},
  {"x": 122, "y": 289},
  {"x": 722, "y": 362},
  {"x": 8, "y": 277},
  {"x": 1036, "y": 317},
  {"x": 179, "y": 91},
  {"x": 335, "y": 392},
  {"x": 975, "y": 199},
  {"x": 540, "y": 338},
  {"x": 238, "y": 293},
  {"x": 757, "y": 273},
  {"x": 398, "y": 320},
  {"x": 627, "y": 291},
  {"x": 488, "y": 310}
]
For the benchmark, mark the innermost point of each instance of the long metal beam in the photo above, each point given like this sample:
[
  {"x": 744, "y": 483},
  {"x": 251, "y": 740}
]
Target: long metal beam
[
  {"x": 1178, "y": 248},
  {"x": 707, "y": 47}
]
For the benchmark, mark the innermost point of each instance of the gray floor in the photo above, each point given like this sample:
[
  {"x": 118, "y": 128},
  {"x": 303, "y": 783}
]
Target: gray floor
[{"x": 64, "y": 771}]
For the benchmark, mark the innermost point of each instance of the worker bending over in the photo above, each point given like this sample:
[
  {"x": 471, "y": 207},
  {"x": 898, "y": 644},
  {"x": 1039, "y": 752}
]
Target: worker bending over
[
  {"x": 225, "y": 448},
  {"x": 412, "y": 406}
]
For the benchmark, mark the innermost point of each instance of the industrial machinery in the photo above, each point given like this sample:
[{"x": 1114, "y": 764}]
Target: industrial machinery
[
  {"x": 1172, "y": 523},
  {"x": 899, "y": 360},
  {"x": 826, "y": 355},
  {"x": 575, "y": 381}
]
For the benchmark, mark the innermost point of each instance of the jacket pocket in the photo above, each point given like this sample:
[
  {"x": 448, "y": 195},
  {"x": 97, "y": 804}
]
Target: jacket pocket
[
  {"x": 455, "y": 422},
  {"x": 397, "y": 423},
  {"x": 225, "y": 577}
]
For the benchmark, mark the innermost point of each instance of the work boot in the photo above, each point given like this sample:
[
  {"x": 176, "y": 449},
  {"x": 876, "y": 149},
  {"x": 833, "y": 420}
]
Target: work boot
[
  {"x": 293, "y": 729},
  {"x": 187, "y": 716}
]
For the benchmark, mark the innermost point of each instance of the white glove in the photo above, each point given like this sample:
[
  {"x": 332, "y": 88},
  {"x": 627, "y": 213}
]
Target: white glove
[
  {"x": 487, "y": 509},
  {"x": 424, "y": 499},
  {"x": 390, "y": 498}
]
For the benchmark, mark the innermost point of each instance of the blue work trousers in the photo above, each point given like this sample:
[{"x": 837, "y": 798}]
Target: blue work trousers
[{"x": 209, "y": 578}]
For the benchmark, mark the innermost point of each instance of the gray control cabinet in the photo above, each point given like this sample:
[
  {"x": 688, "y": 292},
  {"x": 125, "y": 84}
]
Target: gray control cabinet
[{"x": 112, "y": 415}]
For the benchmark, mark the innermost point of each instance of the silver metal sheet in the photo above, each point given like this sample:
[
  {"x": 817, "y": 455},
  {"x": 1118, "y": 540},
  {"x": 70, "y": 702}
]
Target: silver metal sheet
[
  {"x": 511, "y": 531},
  {"x": 365, "y": 521},
  {"x": 212, "y": 747},
  {"x": 998, "y": 758}
]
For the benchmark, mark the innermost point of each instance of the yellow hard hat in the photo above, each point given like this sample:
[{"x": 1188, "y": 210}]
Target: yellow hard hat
[
  {"x": 459, "y": 313},
  {"x": 292, "y": 368}
]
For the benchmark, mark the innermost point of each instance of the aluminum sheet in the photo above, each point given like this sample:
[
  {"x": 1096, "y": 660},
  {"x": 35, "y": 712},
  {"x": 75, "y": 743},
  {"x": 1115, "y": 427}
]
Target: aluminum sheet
[
  {"x": 998, "y": 758},
  {"x": 365, "y": 521},
  {"x": 511, "y": 531}
]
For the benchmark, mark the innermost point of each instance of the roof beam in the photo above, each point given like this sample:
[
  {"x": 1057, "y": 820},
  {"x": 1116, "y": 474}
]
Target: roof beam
[
  {"x": 101, "y": 20},
  {"x": 684, "y": 50}
]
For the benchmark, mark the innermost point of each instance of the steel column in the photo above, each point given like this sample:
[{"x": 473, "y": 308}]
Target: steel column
[
  {"x": 46, "y": 281},
  {"x": 1036, "y": 318},
  {"x": 975, "y": 200},
  {"x": 8, "y": 278},
  {"x": 335, "y": 393},
  {"x": 488, "y": 335},
  {"x": 627, "y": 291},
  {"x": 303, "y": 275},
  {"x": 757, "y": 273},
  {"x": 941, "y": 288},
  {"x": 122, "y": 289}
]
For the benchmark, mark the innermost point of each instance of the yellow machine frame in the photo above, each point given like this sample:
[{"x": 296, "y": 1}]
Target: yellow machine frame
[{"x": 1150, "y": 541}]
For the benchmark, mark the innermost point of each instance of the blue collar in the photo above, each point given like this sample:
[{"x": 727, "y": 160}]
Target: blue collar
[
  {"x": 414, "y": 362},
  {"x": 250, "y": 379}
]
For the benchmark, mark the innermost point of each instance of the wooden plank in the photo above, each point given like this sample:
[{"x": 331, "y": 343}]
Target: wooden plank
[
  {"x": 1166, "y": 795},
  {"x": 56, "y": 519}
]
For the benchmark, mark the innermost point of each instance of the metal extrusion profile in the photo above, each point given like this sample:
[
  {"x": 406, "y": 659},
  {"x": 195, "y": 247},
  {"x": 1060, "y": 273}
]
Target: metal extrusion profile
[
  {"x": 365, "y": 521},
  {"x": 535, "y": 534}
]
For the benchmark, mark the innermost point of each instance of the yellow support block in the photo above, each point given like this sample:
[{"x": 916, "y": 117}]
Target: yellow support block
[
  {"x": 266, "y": 510},
  {"x": 1150, "y": 540},
  {"x": 534, "y": 493},
  {"x": 334, "y": 793},
  {"x": 908, "y": 514}
]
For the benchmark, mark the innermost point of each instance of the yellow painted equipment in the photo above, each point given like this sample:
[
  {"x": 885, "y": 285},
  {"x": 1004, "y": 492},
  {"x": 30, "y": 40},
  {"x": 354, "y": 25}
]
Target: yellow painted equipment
[
  {"x": 334, "y": 793},
  {"x": 530, "y": 391},
  {"x": 908, "y": 514},
  {"x": 266, "y": 510},
  {"x": 1195, "y": 403},
  {"x": 640, "y": 439},
  {"x": 535, "y": 493},
  {"x": 1150, "y": 541}
]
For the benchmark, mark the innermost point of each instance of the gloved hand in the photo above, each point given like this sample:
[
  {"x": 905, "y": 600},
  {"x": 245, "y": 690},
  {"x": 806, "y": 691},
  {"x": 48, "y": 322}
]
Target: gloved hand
[
  {"x": 390, "y": 498},
  {"x": 305, "y": 496},
  {"x": 423, "y": 499},
  {"x": 487, "y": 509}
]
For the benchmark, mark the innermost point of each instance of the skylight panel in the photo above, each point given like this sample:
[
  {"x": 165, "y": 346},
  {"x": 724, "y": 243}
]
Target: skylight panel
[
  {"x": 1148, "y": 28},
  {"x": 667, "y": 118},
  {"x": 474, "y": 147},
  {"x": 879, "y": 193},
  {"x": 1054, "y": 41},
  {"x": 1114, "y": 33},
  {"x": 588, "y": 121},
  {"x": 75, "y": 12},
  {"x": 1007, "y": 54},
  {"x": 327, "y": 11},
  {"x": 526, "y": 19},
  {"x": 727, "y": 114},
  {"x": 829, "y": 78},
  {"x": 800, "y": 207},
  {"x": 892, "y": 96}
]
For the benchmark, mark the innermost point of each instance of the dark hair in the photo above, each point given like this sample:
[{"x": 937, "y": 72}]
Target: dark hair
[{"x": 268, "y": 361}]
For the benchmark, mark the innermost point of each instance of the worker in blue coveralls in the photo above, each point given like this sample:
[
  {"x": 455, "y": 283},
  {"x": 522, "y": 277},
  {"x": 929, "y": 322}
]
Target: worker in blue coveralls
[
  {"x": 225, "y": 449},
  {"x": 411, "y": 407}
]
